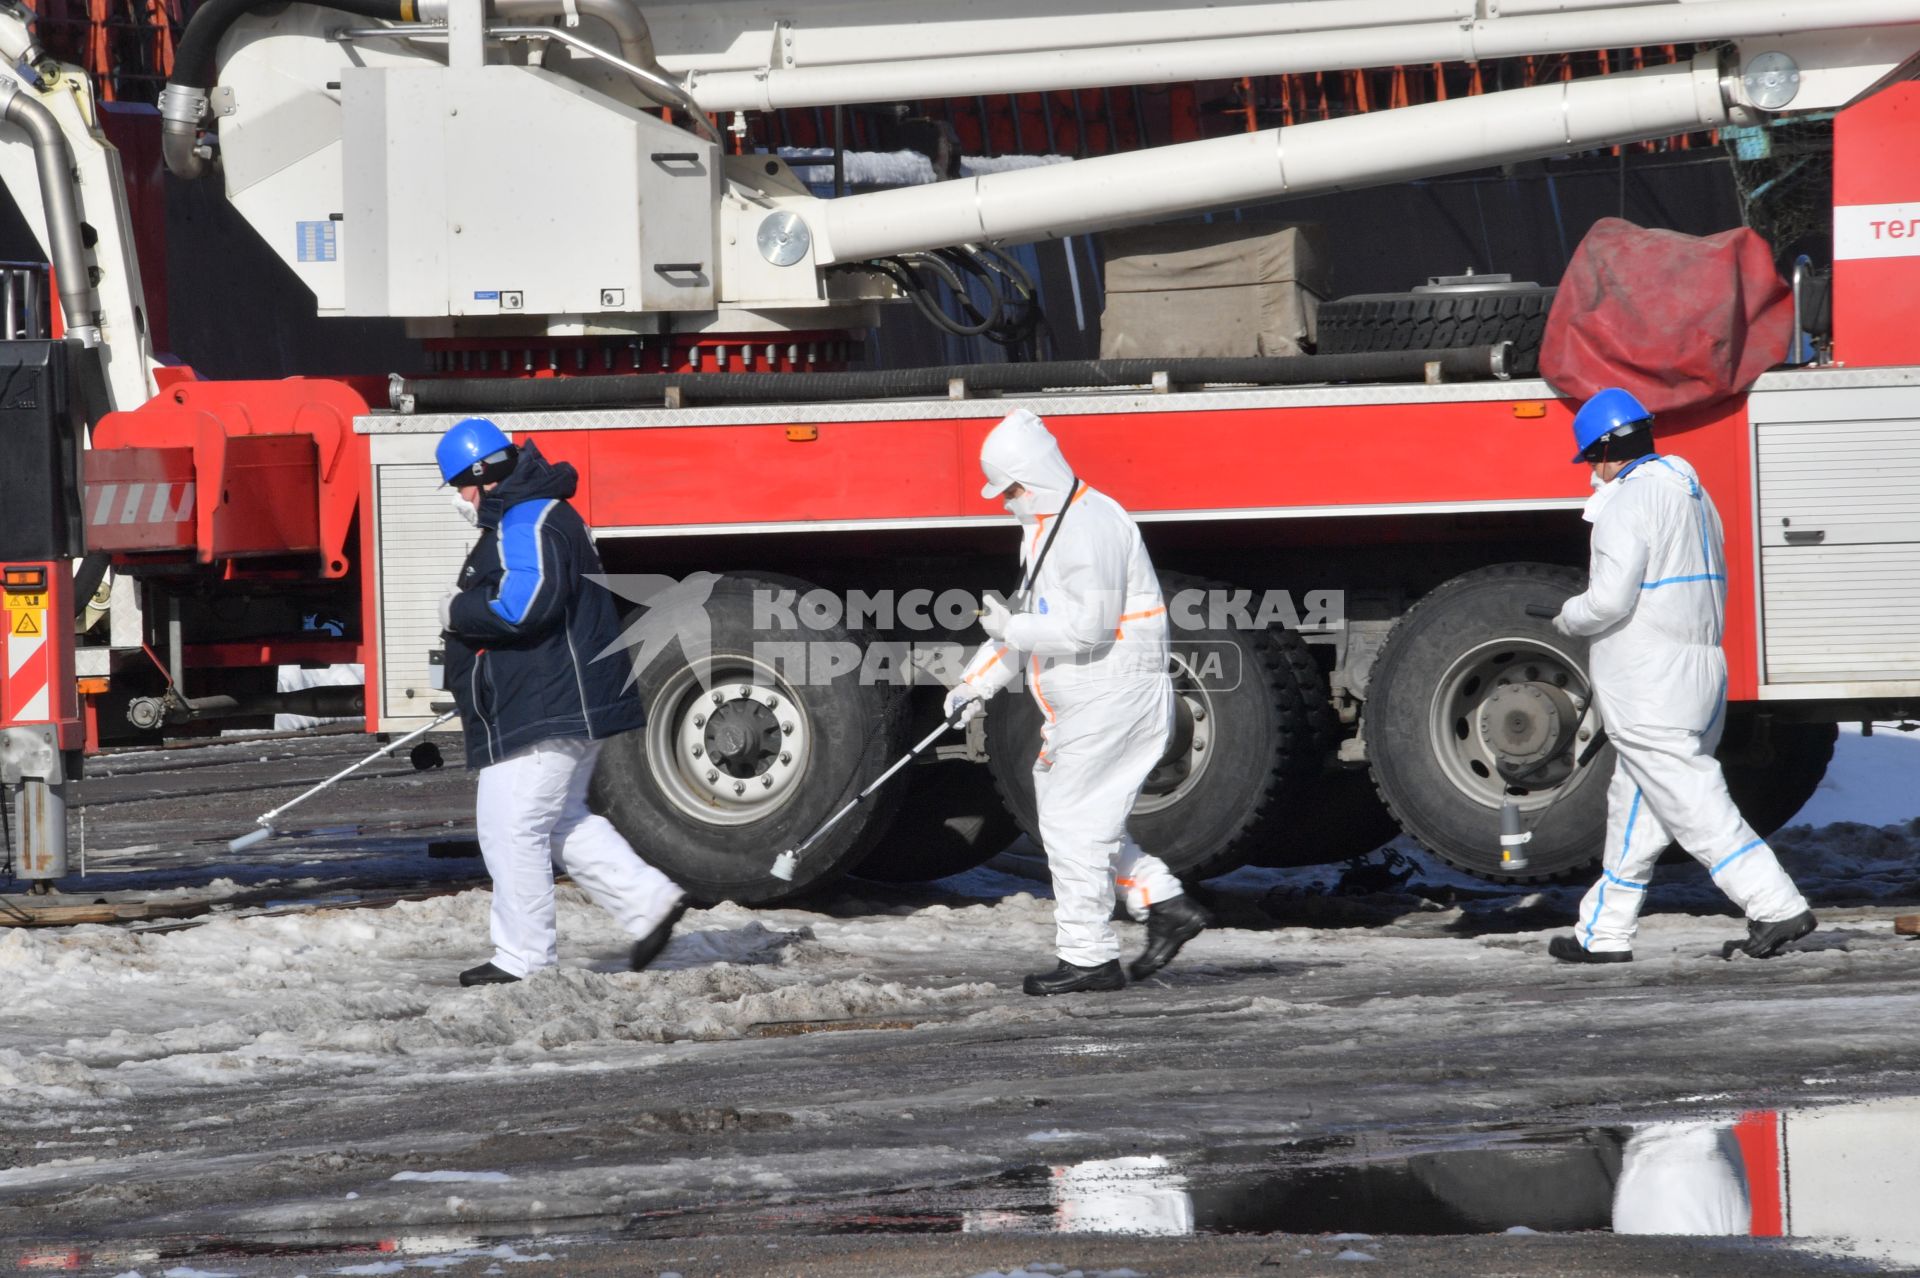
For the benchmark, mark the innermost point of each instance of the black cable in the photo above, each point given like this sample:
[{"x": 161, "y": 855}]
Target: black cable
[
  {"x": 906, "y": 269},
  {"x": 1012, "y": 316}
]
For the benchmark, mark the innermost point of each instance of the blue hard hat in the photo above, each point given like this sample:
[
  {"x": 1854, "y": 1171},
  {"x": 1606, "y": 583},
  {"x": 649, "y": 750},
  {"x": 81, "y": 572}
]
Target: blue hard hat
[
  {"x": 1611, "y": 410},
  {"x": 467, "y": 446}
]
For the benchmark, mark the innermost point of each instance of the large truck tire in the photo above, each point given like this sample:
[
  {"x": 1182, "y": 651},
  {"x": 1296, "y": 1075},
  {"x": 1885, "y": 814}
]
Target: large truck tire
[
  {"x": 1438, "y": 320},
  {"x": 1772, "y": 770},
  {"x": 950, "y": 821},
  {"x": 1468, "y": 680},
  {"x": 739, "y": 765},
  {"x": 1339, "y": 817},
  {"x": 1251, "y": 736}
]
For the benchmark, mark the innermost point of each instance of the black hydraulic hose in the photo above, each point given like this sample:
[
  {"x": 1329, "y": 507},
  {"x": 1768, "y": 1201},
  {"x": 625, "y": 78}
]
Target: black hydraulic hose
[
  {"x": 193, "y": 57},
  {"x": 650, "y": 390},
  {"x": 183, "y": 102}
]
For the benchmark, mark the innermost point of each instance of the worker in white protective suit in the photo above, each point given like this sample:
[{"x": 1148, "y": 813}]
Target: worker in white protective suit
[
  {"x": 1088, "y": 631},
  {"x": 1682, "y": 1178},
  {"x": 1655, "y": 609}
]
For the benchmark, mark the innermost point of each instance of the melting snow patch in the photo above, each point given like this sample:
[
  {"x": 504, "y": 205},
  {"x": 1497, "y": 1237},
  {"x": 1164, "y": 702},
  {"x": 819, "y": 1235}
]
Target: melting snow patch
[
  {"x": 373, "y": 1267},
  {"x": 445, "y": 1176},
  {"x": 1045, "y": 1271},
  {"x": 1521, "y": 1230},
  {"x": 1351, "y": 1254},
  {"x": 188, "y": 1271},
  {"x": 1055, "y": 1134}
]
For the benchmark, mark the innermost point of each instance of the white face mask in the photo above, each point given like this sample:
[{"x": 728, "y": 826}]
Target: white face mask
[
  {"x": 1024, "y": 507},
  {"x": 463, "y": 508}
]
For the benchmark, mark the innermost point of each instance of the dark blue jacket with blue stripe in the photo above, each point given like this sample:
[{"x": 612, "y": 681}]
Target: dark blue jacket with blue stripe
[{"x": 527, "y": 625}]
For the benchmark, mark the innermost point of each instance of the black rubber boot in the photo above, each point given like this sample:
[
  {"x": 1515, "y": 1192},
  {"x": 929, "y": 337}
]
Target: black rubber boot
[
  {"x": 1069, "y": 979},
  {"x": 648, "y": 947},
  {"x": 1170, "y": 925},
  {"x": 1568, "y": 950},
  {"x": 487, "y": 974},
  {"x": 1764, "y": 940}
]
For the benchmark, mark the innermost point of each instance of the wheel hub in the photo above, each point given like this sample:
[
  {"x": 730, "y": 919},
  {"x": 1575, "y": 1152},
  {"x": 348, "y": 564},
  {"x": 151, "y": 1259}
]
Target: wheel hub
[
  {"x": 743, "y": 737},
  {"x": 1507, "y": 707},
  {"x": 732, "y": 752},
  {"x": 1523, "y": 723}
]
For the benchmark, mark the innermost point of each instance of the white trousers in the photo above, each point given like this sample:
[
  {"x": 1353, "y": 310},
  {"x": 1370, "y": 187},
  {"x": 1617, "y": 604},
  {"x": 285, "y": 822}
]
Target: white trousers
[
  {"x": 532, "y": 815},
  {"x": 1667, "y": 787},
  {"x": 1085, "y": 789}
]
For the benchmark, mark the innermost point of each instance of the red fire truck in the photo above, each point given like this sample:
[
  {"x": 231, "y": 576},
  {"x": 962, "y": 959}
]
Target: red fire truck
[{"x": 1350, "y": 541}]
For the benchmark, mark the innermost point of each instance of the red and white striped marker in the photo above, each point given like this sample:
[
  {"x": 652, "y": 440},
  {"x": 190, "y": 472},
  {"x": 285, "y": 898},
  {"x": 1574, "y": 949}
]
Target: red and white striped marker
[{"x": 30, "y": 660}]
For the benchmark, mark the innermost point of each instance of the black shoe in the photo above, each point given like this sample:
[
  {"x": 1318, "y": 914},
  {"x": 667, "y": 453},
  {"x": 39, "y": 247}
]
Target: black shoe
[
  {"x": 1069, "y": 979},
  {"x": 1568, "y": 950},
  {"x": 648, "y": 947},
  {"x": 1170, "y": 925},
  {"x": 1764, "y": 940},
  {"x": 487, "y": 974}
]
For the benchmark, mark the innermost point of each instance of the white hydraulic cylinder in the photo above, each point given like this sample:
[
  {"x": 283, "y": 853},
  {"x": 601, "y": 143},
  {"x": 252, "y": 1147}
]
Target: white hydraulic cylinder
[{"x": 1329, "y": 155}]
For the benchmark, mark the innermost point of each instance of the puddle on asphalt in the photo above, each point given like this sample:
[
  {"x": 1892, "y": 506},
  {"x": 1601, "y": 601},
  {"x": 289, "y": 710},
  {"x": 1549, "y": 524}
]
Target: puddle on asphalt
[{"x": 1836, "y": 1179}]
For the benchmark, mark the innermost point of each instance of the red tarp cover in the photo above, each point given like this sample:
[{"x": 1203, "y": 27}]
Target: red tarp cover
[{"x": 1676, "y": 320}]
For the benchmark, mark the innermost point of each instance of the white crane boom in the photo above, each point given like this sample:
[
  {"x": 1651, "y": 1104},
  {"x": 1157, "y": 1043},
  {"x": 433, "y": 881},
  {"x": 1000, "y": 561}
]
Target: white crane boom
[
  {"x": 381, "y": 150},
  {"x": 740, "y": 55}
]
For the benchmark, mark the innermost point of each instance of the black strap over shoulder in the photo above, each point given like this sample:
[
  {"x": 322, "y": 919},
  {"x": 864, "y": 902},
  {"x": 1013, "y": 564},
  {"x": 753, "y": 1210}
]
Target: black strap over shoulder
[{"x": 1033, "y": 570}]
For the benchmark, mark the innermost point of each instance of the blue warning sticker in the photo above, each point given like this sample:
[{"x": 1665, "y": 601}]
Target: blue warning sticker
[
  {"x": 486, "y": 295},
  {"x": 317, "y": 241}
]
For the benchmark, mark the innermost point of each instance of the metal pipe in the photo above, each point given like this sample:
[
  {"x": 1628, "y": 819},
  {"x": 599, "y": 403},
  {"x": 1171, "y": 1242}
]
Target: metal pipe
[
  {"x": 60, "y": 203},
  {"x": 1355, "y": 151},
  {"x": 669, "y": 94},
  {"x": 182, "y": 107},
  {"x": 876, "y": 62},
  {"x": 629, "y": 25},
  {"x": 184, "y": 100}
]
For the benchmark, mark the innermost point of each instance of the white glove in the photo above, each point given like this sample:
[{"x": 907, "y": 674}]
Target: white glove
[
  {"x": 967, "y": 701},
  {"x": 994, "y": 618},
  {"x": 446, "y": 609},
  {"x": 1560, "y": 624}
]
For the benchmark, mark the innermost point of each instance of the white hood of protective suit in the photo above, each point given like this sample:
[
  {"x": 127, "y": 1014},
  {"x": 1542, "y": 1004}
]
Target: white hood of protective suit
[{"x": 1021, "y": 450}]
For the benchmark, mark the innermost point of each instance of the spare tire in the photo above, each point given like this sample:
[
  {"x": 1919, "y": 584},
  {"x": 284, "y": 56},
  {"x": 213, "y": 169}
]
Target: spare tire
[
  {"x": 743, "y": 759},
  {"x": 1439, "y": 319}
]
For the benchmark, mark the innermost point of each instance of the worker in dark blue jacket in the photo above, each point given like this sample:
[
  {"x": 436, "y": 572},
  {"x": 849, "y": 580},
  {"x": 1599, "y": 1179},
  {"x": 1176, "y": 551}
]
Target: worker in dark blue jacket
[{"x": 523, "y": 629}]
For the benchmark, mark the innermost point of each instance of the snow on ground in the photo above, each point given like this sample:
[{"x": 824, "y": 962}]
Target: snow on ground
[
  {"x": 97, "y": 1014},
  {"x": 1872, "y": 780}
]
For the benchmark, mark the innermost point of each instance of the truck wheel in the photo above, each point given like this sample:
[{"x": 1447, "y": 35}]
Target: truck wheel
[
  {"x": 950, "y": 821},
  {"x": 1252, "y": 729},
  {"x": 1338, "y": 818},
  {"x": 746, "y": 757},
  {"x": 1773, "y": 771},
  {"x": 1439, "y": 319},
  {"x": 1468, "y": 684}
]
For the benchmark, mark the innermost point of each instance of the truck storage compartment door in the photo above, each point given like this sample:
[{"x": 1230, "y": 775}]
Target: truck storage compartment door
[
  {"x": 1838, "y": 469},
  {"x": 422, "y": 544}
]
